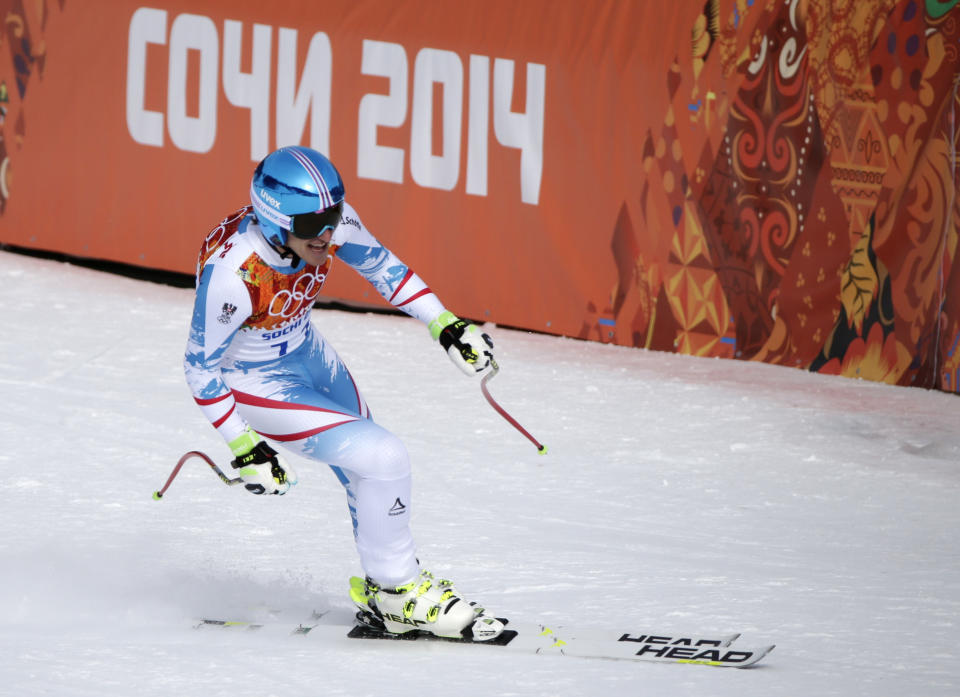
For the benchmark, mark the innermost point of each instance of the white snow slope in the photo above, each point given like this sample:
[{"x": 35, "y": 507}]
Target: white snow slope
[{"x": 820, "y": 514}]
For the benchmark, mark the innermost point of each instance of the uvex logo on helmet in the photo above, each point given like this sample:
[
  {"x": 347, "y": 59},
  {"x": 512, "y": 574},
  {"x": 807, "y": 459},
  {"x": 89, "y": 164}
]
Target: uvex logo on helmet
[{"x": 269, "y": 199}]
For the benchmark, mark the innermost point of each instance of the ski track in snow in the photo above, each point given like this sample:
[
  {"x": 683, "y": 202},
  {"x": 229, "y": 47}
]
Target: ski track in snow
[{"x": 816, "y": 513}]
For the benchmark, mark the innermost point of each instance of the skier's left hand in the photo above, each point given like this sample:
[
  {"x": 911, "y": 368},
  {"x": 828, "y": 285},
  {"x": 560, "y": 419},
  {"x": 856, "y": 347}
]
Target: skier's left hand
[{"x": 470, "y": 349}]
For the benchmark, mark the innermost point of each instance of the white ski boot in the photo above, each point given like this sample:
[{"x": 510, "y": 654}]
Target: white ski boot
[{"x": 425, "y": 605}]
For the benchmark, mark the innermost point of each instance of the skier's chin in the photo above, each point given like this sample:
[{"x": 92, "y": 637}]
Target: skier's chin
[{"x": 315, "y": 257}]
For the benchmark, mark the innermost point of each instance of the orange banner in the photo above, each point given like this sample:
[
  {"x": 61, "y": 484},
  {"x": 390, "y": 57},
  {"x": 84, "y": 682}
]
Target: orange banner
[{"x": 782, "y": 188}]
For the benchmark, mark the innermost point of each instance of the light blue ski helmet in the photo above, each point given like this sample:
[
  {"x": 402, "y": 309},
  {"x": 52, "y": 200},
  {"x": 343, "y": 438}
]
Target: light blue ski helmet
[{"x": 291, "y": 182}]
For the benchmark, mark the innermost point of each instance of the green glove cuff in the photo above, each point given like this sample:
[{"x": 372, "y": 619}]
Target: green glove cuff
[
  {"x": 436, "y": 326},
  {"x": 244, "y": 443}
]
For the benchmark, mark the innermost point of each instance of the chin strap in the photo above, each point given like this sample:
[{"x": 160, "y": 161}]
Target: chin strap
[{"x": 285, "y": 252}]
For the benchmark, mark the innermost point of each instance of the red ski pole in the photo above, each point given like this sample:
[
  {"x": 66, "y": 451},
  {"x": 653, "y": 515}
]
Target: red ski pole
[
  {"x": 157, "y": 495},
  {"x": 541, "y": 448}
]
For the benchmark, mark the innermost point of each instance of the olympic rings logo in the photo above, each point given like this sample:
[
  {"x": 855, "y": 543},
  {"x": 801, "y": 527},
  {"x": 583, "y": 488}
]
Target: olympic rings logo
[{"x": 288, "y": 303}]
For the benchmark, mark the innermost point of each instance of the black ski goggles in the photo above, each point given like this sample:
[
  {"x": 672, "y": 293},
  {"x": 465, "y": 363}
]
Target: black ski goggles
[{"x": 307, "y": 226}]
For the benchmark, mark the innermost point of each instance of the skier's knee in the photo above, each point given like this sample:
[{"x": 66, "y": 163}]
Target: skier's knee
[{"x": 387, "y": 457}]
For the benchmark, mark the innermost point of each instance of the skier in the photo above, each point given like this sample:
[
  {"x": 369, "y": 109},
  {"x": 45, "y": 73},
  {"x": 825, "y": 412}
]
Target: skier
[{"x": 259, "y": 369}]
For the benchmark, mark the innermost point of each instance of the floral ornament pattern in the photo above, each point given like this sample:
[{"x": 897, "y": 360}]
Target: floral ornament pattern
[{"x": 820, "y": 225}]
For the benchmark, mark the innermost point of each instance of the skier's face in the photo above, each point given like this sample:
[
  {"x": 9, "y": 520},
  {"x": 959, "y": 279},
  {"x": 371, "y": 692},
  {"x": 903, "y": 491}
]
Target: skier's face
[{"x": 313, "y": 251}]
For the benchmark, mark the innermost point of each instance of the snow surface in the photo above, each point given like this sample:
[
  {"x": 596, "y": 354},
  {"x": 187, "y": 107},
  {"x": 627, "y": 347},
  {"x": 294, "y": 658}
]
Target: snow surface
[{"x": 679, "y": 493}]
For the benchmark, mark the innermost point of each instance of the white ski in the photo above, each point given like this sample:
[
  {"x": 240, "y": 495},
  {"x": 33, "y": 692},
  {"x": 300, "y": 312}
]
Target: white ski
[{"x": 712, "y": 650}]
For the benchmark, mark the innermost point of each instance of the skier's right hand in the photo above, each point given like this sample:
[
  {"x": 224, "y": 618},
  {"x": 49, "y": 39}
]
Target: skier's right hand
[{"x": 262, "y": 469}]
